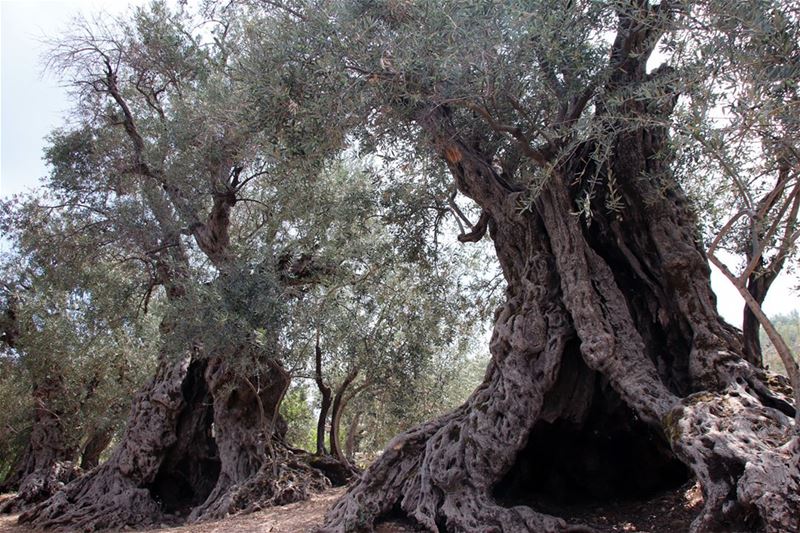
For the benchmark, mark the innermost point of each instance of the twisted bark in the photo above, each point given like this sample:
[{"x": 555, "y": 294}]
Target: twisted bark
[
  {"x": 613, "y": 317},
  {"x": 115, "y": 495},
  {"x": 256, "y": 467}
]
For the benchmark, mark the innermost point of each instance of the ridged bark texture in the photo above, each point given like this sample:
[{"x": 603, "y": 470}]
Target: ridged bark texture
[
  {"x": 256, "y": 468},
  {"x": 196, "y": 447},
  {"x": 115, "y": 495},
  {"x": 623, "y": 303}
]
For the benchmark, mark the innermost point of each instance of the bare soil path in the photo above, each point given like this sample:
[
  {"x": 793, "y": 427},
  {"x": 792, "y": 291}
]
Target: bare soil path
[{"x": 300, "y": 517}]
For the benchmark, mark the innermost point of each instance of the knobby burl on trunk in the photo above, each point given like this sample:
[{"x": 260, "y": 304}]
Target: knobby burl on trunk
[{"x": 609, "y": 334}]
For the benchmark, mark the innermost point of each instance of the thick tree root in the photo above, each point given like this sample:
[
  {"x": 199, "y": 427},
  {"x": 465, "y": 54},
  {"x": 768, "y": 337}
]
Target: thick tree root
[
  {"x": 276, "y": 483},
  {"x": 107, "y": 500},
  {"x": 442, "y": 473},
  {"x": 400, "y": 476},
  {"x": 41, "y": 485},
  {"x": 746, "y": 458},
  {"x": 338, "y": 473}
]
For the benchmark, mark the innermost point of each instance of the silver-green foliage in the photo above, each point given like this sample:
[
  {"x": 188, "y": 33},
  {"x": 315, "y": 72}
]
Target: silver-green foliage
[{"x": 167, "y": 123}]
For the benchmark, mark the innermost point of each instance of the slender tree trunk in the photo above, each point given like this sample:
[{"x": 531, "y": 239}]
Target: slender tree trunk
[
  {"x": 325, "y": 404},
  {"x": 339, "y": 403},
  {"x": 758, "y": 286},
  {"x": 322, "y": 421}
]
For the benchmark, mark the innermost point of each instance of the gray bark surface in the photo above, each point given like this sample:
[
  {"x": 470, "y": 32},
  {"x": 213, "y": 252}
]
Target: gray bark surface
[{"x": 623, "y": 303}]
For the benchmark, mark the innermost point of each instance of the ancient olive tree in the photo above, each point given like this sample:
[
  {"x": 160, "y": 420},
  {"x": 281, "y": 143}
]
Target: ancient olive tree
[
  {"x": 229, "y": 217},
  {"x": 159, "y": 162},
  {"x": 609, "y": 348}
]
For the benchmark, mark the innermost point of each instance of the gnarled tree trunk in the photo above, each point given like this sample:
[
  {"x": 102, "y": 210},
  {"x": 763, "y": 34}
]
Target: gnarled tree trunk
[
  {"x": 201, "y": 441},
  {"x": 23, "y": 463},
  {"x": 256, "y": 467},
  {"x": 155, "y": 468},
  {"x": 116, "y": 494},
  {"x": 196, "y": 447},
  {"x": 607, "y": 351},
  {"x": 47, "y": 463}
]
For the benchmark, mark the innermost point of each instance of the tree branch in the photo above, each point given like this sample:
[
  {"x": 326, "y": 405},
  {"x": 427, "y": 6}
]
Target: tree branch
[
  {"x": 478, "y": 230},
  {"x": 784, "y": 352}
]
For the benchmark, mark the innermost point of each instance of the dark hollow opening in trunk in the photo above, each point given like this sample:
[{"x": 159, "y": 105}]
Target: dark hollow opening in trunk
[
  {"x": 191, "y": 467},
  {"x": 596, "y": 454}
]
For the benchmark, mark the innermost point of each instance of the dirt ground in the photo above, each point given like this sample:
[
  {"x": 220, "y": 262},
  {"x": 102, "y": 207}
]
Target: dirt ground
[
  {"x": 300, "y": 517},
  {"x": 670, "y": 512}
]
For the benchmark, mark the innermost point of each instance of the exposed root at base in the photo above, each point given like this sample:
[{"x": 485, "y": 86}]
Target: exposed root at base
[
  {"x": 278, "y": 483},
  {"x": 40, "y": 485}
]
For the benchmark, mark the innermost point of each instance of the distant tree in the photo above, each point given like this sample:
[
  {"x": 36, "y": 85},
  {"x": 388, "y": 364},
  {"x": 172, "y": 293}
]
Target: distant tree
[
  {"x": 296, "y": 410},
  {"x": 384, "y": 335},
  {"x": 396, "y": 306},
  {"x": 78, "y": 356},
  {"x": 788, "y": 326},
  {"x": 739, "y": 125}
]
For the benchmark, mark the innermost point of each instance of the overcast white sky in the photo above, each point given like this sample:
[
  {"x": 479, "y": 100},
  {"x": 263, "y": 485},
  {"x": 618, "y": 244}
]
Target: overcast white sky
[{"x": 32, "y": 104}]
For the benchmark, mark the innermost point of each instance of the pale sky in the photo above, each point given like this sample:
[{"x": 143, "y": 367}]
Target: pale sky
[{"x": 33, "y": 103}]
